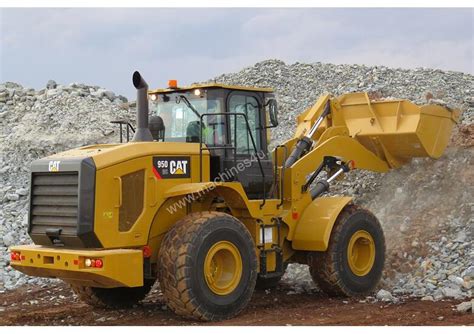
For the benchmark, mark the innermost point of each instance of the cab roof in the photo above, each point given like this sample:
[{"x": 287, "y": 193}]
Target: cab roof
[{"x": 210, "y": 85}]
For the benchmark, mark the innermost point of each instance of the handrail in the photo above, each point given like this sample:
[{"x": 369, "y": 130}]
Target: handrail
[
  {"x": 281, "y": 174},
  {"x": 129, "y": 127}
]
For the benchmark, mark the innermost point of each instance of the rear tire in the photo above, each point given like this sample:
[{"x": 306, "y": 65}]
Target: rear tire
[
  {"x": 207, "y": 266},
  {"x": 112, "y": 297},
  {"x": 353, "y": 263}
]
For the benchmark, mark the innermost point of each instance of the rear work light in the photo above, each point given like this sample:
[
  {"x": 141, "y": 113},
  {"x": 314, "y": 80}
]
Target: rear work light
[{"x": 93, "y": 263}]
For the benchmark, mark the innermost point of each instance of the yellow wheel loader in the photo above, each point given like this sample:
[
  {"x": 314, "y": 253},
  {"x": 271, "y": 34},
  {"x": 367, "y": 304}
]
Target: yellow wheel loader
[{"x": 197, "y": 201}]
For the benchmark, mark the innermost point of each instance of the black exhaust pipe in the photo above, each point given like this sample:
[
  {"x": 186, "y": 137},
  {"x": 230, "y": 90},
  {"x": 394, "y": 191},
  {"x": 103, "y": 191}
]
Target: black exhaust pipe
[{"x": 142, "y": 132}]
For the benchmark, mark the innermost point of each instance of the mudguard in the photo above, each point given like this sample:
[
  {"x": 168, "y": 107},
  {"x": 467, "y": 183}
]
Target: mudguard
[{"x": 313, "y": 230}]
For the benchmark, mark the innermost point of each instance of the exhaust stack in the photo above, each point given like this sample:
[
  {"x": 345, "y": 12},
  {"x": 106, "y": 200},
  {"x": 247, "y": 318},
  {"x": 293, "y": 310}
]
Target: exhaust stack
[{"x": 143, "y": 132}]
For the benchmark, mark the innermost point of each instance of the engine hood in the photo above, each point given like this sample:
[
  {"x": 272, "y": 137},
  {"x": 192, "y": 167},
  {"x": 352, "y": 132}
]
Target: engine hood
[{"x": 105, "y": 155}]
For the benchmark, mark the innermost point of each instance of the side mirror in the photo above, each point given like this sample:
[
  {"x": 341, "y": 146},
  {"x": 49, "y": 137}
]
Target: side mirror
[
  {"x": 273, "y": 112},
  {"x": 157, "y": 128}
]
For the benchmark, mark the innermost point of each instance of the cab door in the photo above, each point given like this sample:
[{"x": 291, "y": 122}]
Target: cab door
[{"x": 242, "y": 163}]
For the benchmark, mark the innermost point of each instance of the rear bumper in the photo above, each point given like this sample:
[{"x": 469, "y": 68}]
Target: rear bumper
[{"x": 121, "y": 267}]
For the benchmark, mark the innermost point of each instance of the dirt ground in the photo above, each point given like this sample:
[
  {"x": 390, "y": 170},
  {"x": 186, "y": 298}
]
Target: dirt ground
[{"x": 56, "y": 305}]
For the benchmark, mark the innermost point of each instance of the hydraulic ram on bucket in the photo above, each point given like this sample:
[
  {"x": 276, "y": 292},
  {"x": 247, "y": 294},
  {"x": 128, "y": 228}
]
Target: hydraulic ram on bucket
[{"x": 304, "y": 144}]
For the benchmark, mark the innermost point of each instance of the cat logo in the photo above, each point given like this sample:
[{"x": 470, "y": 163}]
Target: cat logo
[
  {"x": 171, "y": 167},
  {"x": 178, "y": 167},
  {"x": 54, "y": 166}
]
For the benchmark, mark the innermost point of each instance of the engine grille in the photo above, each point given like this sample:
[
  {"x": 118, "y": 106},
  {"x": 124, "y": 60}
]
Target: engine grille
[{"x": 54, "y": 202}]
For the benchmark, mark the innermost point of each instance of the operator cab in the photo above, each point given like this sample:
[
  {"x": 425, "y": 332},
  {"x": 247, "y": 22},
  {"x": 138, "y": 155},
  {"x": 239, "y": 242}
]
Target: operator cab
[{"x": 232, "y": 121}]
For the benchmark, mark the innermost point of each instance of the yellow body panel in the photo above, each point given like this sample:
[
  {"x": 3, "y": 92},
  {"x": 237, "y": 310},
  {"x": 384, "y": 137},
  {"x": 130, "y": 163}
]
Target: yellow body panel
[
  {"x": 314, "y": 229},
  {"x": 188, "y": 188},
  {"x": 121, "y": 267},
  {"x": 108, "y": 188},
  {"x": 106, "y": 155}
]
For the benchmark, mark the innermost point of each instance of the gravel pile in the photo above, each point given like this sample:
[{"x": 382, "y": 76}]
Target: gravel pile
[
  {"x": 428, "y": 220},
  {"x": 427, "y": 211}
]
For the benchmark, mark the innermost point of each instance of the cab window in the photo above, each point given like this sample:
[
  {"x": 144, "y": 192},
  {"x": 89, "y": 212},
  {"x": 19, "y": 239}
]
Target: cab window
[
  {"x": 249, "y": 106},
  {"x": 181, "y": 122}
]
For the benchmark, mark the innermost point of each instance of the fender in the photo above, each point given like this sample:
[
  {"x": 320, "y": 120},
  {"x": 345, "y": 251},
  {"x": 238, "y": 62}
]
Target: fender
[
  {"x": 232, "y": 192},
  {"x": 313, "y": 231}
]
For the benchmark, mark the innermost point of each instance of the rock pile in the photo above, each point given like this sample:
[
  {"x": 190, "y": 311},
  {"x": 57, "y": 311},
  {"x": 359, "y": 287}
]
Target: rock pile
[
  {"x": 427, "y": 210},
  {"x": 426, "y": 207}
]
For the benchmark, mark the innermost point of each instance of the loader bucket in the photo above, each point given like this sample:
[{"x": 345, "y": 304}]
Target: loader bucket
[{"x": 397, "y": 130}]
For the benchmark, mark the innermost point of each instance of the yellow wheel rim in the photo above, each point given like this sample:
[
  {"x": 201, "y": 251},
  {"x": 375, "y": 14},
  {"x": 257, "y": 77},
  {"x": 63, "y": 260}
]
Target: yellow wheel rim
[
  {"x": 223, "y": 268},
  {"x": 361, "y": 253}
]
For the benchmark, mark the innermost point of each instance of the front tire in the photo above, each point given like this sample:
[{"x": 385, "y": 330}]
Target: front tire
[
  {"x": 208, "y": 266},
  {"x": 353, "y": 263}
]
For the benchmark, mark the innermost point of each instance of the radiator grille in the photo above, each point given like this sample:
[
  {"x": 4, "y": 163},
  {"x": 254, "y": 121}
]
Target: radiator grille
[{"x": 54, "y": 202}]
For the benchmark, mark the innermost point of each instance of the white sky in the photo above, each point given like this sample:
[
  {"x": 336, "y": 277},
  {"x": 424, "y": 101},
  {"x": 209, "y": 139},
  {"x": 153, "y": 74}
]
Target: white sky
[{"x": 104, "y": 46}]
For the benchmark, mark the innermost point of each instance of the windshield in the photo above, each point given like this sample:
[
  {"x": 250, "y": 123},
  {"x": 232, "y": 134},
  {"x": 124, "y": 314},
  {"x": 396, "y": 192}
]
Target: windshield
[{"x": 180, "y": 120}]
